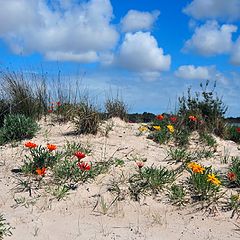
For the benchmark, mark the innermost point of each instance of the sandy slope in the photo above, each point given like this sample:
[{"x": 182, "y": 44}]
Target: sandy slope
[{"x": 83, "y": 216}]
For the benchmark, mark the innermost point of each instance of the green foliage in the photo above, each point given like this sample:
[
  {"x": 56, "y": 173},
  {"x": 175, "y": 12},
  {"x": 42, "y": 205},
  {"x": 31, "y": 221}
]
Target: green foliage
[
  {"x": 116, "y": 107},
  {"x": 234, "y": 204},
  {"x": 17, "y": 127},
  {"x": 87, "y": 118},
  {"x": 40, "y": 157},
  {"x": 201, "y": 187},
  {"x": 233, "y": 133},
  {"x": 234, "y": 172},
  {"x": 208, "y": 139},
  {"x": 177, "y": 194},
  {"x": 141, "y": 118},
  {"x": 178, "y": 154},
  {"x": 5, "y": 228},
  {"x": 207, "y": 107},
  {"x": 150, "y": 179}
]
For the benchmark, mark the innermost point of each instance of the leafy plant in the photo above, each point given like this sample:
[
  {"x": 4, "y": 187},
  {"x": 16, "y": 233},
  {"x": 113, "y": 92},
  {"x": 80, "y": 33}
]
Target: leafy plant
[
  {"x": 177, "y": 194},
  {"x": 208, "y": 139},
  {"x": 150, "y": 178},
  {"x": 233, "y": 133},
  {"x": 204, "y": 183},
  {"x": 40, "y": 158},
  {"x": 18, "y": 127},
  {"x": 5, "y": 228},
  {"x": 178, "y": 154}
]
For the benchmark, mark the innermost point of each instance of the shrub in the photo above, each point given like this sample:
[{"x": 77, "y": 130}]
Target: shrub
[
  {"x": 87, "y": 119},
  {"x": 18, "y": 127},
  {"x": 177, "y": 194},
  {"x": 233, "y": 133},
  {"x": 116, "y": 108},
  {"x": 206, "y": 106}
]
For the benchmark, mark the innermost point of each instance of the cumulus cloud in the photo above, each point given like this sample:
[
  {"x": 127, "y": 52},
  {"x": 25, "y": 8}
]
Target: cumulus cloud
[
  {"x": 235, "y": 54},
  {"x": 214, "y": 9},
  {"x": 140, "y": 52},
  {"x": 192, "y": 72},
  {"x": 60, "y": 30},
  {"x": 211, "y": 39},
  {"x": 135, "y": 21}
]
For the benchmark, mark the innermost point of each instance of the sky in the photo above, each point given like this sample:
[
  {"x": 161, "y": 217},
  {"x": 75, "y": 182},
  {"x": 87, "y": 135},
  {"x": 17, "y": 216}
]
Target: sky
[{"x": 148, "y": 51}]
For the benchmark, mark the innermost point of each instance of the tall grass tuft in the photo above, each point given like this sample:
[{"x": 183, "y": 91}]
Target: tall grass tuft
[
  {"x": 23, "y": 96},
  {"x": 87, "y": 118},
  {"x": 116, "y": 107}
]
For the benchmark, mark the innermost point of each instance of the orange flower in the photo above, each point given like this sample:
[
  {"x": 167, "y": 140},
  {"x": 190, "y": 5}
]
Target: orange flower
[
  {"x": 51, "y": 147},
  {"x": 192, "y": 118},
  {"x": 196, "y": 168},
  {"x": 84, "y": 166},
  {"x": 30, "y": 145},
  {"x": 160, "y": 117},
  {"x": 41, "y": 171}
]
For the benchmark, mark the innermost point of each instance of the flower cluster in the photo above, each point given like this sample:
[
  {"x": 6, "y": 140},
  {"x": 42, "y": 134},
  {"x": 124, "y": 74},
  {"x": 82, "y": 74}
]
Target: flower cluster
[
  {"x": 83, "y": 166},
  {"x": 192, "y": 118},
  {"x": 30, "y": 145},
  {"x": 54, "y": 105}
]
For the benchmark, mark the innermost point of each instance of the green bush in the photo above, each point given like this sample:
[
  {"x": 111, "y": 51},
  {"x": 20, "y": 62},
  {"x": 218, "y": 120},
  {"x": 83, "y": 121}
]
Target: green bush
[
  {"x": 207, "y": 107},
  {"x": 17, "y": 127},
  {"x": 233, "y": 133},
  {"x": 4, "y": 110}
]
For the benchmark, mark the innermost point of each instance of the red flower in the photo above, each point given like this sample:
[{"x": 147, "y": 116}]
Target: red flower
[
  {"x": 173, "y": 119},
  {"x": 192, "y": 118},
  {"x": 51, "y": 147},
  {"x": 232, "y": 176},
  {"x": 58, "y": 104},
  {"x": 160, "y": 117},
  {"x": 140, "y": 164},
  {"x": 79, "y": 155},
  {"x": 50, "y": 110},
  {"x": 238, "y": 130},
  {"x": 30, "y": 145},
  {"x": 41, "y": 171},
  {"x": 84, "y": 166}
]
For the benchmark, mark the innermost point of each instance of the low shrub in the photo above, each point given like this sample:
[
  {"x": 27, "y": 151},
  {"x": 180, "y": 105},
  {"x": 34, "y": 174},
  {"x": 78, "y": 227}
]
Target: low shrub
[
  {"x": 5, "y": 228},
  {"x": 17, "y": 127}
]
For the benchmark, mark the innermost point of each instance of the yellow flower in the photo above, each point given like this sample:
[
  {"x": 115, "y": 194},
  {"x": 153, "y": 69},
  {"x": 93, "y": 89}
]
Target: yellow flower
[
  {"x": 212, "y": 178},
  {"x": 170, "y": 128},
  {"x": 142, "y": 129},
  {"x": 158, "y": 128},
  {"x": 191, "y": 165}
]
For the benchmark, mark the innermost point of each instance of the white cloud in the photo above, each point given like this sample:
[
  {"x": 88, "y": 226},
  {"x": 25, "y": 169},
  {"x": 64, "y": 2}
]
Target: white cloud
[
  {"x": 135, "y": 21},
  {"x": 192, "y": 72},
  {"x": 214, "y": 9},
  {"x": 86, "y": 57},
  {"x": 211, "y": 39},
  {"x": 66, "y": 29},
  {"x": 235, "y": 54},
  {"x": 140, "y": 52}
]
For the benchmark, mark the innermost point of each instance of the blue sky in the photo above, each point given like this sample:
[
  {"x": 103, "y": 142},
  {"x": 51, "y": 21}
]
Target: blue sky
[{"x": 150, "y": 51}]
